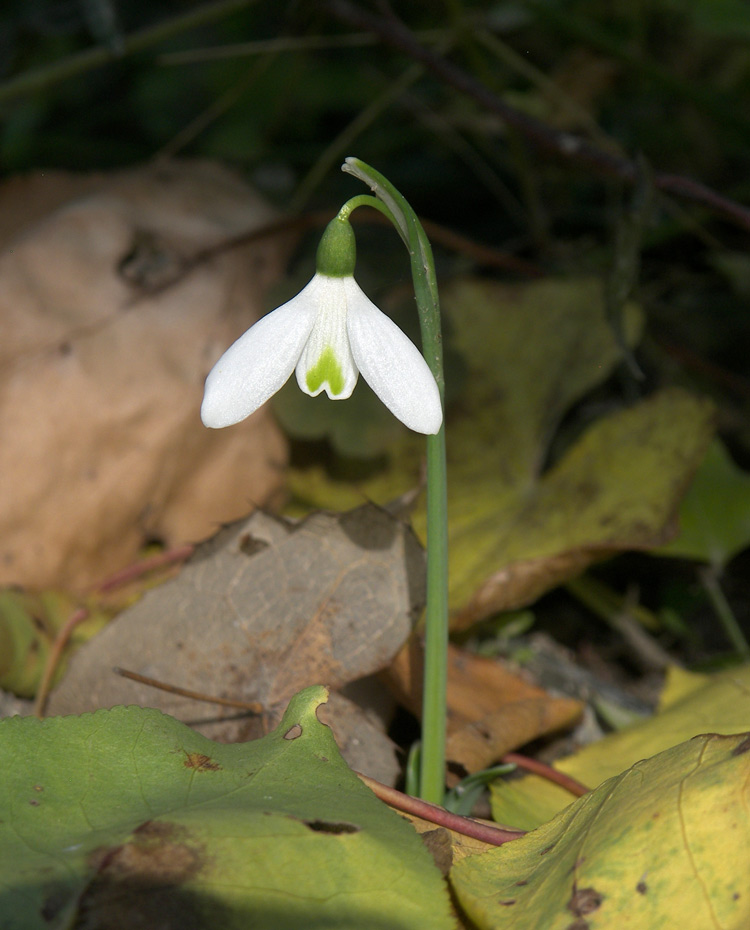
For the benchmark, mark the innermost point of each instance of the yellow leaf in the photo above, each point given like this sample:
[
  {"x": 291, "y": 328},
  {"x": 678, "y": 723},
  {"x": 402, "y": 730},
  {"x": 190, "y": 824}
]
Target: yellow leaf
[
  {"x": 722, "y": 705},
  {"x": 664, "y": 844},
  {"x": 515, "y": 531}
]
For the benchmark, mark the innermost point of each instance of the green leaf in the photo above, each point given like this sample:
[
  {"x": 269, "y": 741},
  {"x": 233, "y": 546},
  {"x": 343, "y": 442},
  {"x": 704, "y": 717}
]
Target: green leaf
[
  {"x": 664, "y": 844},
  {"x": 29, "y": 624},
  {"x": 128, "y": 818},
  {"x": 715, "y": 512}
]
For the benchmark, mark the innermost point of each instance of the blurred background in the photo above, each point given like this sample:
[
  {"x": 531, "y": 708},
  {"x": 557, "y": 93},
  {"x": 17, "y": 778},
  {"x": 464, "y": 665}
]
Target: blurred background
[{"x": 540, "y": 138}]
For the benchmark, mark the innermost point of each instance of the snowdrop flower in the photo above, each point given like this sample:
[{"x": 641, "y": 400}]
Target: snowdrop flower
[{"x": 328, "y": 334}]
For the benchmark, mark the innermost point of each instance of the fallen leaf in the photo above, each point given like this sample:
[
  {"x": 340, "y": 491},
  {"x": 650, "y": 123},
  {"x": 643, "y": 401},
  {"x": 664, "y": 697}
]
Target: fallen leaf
[
  {"x": 491, "y": 710},
  {"x": 714, "y": 516},
  {"x": 618, "y": 488},
  {"x": 128, "y": 818},
  {"x": 678, "y": 684},
  {"x": 102, "y": 376},
  {"x": 262, "y": 610},
  {"x": 29, "y": 624},
  {"x": 516, "y": 530},
  {"x": 666, "y": 843},
  {"x": 719, "y": 705}
]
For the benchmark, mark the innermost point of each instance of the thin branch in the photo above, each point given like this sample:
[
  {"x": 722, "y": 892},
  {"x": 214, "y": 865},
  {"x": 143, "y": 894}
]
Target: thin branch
[
  {"x": 564, "y": 145},
  {"x": 546, "y": 771},
  {"x": 482, "y": 254},
  {"x": 137, "y": 570},
  {"x": 467, "y": 826},
  {"x": 252, "y": 707},
  {"x": 40, "y": 78},
  {"x": 53, "y": 658},
  {"x": 280, "y": 44}
]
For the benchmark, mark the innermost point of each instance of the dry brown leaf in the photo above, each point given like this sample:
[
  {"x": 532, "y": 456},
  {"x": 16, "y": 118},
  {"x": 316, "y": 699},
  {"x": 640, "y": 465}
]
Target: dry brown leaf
[
  {"x": 491, "y": 710},
  {"x": 263, "y": 610},
  {"x": 101, "y": 380},
  {"x": 476, "y": 744}
]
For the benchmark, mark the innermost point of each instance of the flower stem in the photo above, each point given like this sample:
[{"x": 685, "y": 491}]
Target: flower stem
[{"x": 432, "y": 771}]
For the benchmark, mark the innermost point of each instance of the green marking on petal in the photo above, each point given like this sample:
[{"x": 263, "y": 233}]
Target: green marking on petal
[{"x": 325, "y": 369}]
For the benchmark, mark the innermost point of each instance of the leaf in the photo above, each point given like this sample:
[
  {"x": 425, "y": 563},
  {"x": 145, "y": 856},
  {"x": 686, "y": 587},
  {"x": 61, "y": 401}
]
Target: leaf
[
  {"x": 720, "y": 705},
  {"x": 262, "y": 610},
  {"x": 664, "y": 844},
  {"x": 491, "y": 710},
  {"x": 515, "y": 531},
  {"x": 715, "y": 512},
  {"x": 128, "y": 818},
  {"x": 106, "y": 343},
  {"x": 678, "y": 684},
  {"x": 29, "y": 624},
  {"x": 618, "y": 488}
]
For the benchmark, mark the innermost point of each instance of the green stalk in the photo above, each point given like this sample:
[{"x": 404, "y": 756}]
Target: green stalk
[
  {"x": 432, "y": 769},
  {"x": 709, "y": 577}
]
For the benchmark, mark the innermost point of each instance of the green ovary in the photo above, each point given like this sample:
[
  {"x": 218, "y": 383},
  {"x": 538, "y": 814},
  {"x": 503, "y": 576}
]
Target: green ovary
[{"x": 325, "y": 369}]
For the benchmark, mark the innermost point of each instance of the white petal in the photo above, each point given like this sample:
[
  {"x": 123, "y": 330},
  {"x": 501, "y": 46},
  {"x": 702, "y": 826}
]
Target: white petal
[
  {"x": 392, "y": 365},
  {"x": 258, "y": 363},
  {"x": 326, "y": 363}
]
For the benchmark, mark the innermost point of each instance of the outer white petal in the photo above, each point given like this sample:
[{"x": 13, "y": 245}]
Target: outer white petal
[
  {"x": 258, "y": 363},
  {"x": 329, "y": 335},
  {"x": 392, "y": 365}
]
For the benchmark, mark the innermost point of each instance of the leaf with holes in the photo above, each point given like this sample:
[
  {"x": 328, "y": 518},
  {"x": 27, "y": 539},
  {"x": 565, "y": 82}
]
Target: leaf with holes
[
  {"x": 664, "y": 844},
  {"x": 264, "y": 609},
  {"x": 129, "y": 818}
]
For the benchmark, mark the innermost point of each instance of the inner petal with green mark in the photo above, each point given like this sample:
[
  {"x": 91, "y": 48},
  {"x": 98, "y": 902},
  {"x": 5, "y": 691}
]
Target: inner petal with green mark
[
  {"x": 326, "y": 363},
  {"x": 326, "y": 370}
]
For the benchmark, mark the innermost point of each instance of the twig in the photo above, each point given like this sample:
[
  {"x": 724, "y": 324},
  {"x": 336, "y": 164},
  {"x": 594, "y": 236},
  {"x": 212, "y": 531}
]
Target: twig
[
  {"x": 131, "y": 573},
  {"x": 32, "y": 81},
  {"x": 565, "y": 145},
  {"x": 139, "y": 569},
  {"x": 53, "y": 658},
  {"x": 482, "y": 254},
  {"x": 252, "y": 706},
  {"x": 467, "y": 826},
  {"x": 280, "y": 44},
  {"x": 546, "y": 771}
]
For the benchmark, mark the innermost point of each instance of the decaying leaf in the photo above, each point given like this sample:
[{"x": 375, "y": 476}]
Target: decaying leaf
[
  {"x": 618, "y": 488},
  {"x": 664, "y": 844},
  {"x": 262, "y": 610},
  {"x": 491, "y": 710},
  {"x": 108, "y": 332},
  {"x": 127, "y": 818},
  {"x": 515, "y": 529}
]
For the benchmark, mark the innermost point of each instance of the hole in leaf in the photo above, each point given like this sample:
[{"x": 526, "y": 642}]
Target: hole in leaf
[{"x": 327, "y": 826}]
